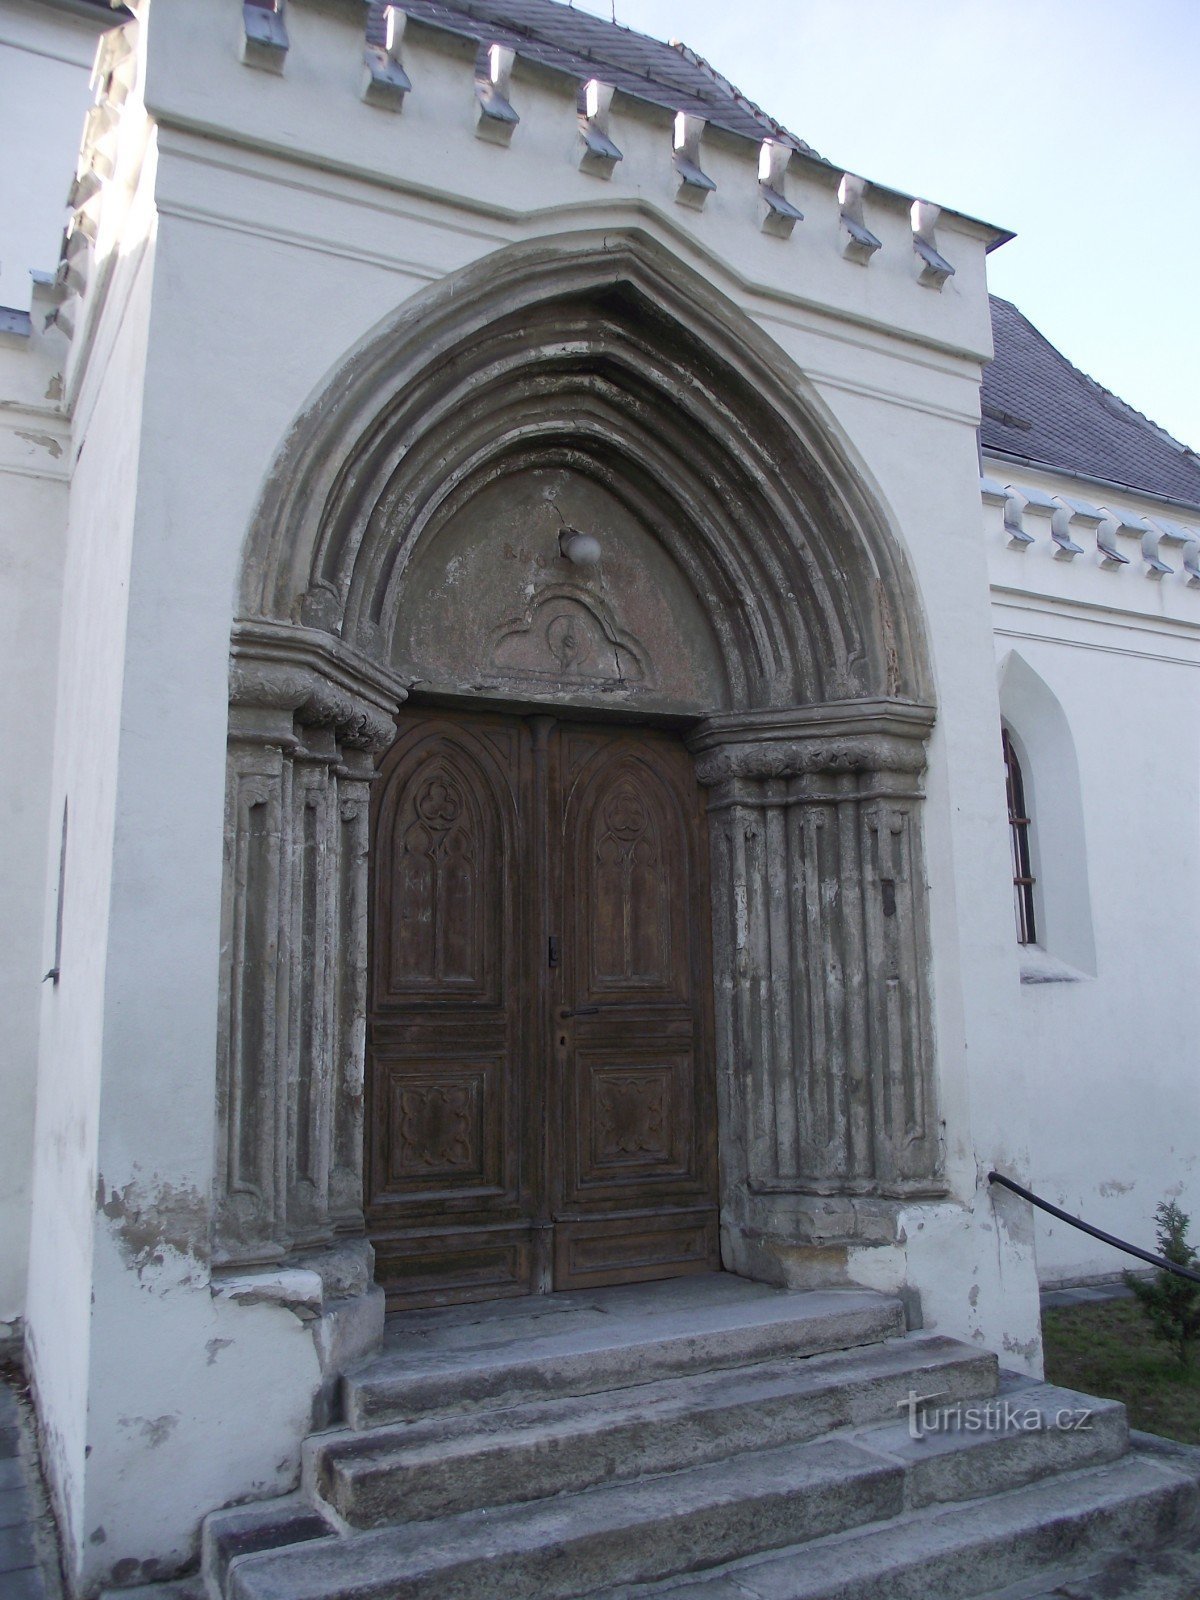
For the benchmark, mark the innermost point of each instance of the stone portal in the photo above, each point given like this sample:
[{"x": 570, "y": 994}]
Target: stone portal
[{"x": 574, "y": 482}]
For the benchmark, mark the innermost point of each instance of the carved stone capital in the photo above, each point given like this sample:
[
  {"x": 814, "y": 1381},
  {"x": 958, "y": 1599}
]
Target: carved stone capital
[
  {"x": 865, "y": 736},
  {"x": 319, "y": 680}
]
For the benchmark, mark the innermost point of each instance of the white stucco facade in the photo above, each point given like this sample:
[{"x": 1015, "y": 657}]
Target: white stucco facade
[
  {"x": 1095, "y": 658},
  {"x": 255, "y": 229}
]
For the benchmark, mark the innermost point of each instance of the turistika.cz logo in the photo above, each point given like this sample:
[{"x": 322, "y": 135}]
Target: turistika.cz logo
[{"x": 993, "y": 1416}]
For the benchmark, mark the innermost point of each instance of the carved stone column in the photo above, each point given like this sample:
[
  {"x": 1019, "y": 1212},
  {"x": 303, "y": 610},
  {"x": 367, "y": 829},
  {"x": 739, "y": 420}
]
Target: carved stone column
[
  {"x": 306, "y": 722},
  {"x": 821, "y": 953}
]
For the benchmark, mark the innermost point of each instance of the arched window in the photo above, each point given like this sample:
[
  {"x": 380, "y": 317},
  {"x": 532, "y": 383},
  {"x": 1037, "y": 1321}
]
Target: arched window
[
  {"x": 1047, "y": 829},
  {"x": 1018, "y": 827}
]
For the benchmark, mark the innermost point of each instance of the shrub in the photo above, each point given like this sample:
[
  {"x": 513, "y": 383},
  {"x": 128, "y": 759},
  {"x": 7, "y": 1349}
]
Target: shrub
[{"x": 1171, "y": 1304}]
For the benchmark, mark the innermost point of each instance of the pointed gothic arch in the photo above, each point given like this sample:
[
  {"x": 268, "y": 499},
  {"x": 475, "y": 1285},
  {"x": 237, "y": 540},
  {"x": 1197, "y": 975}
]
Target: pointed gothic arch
[{"x": 608, "y": 375}]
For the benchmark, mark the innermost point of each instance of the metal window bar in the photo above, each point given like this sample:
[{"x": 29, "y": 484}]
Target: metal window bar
[
  {"x": 1018, "y": 828},
  {"x": 1096, "y": 1233}
]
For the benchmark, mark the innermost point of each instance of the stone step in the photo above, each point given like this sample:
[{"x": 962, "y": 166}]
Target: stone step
[
  {"x": 286, "y": 1523},
  {"x": 1169, "y": 1571},
  {"x": 573, "y": 1544},
  {"x": 442, "y": 1465},
  {"x": 1169, "y": 1574},
  {"x": 967, "y": 1450},
  {"x": 969, "y": 1550},
  {"x": 437, "y": 1364}
]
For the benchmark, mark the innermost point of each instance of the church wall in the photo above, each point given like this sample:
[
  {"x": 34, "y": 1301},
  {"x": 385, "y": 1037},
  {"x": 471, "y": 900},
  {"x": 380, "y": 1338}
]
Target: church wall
[
  {"x": 1109, "y": 1043},
  {"x": 263, "y": 273},
  {"x": 87, "y": 731},
  {"x": 34, "y": 465},
  {"x": 45, "y": 63},
  {"x": 197, "y": 1399}
]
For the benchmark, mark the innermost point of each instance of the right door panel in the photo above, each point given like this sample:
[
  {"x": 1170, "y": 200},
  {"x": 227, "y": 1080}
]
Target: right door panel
[{"x": 635, "y": 1186}]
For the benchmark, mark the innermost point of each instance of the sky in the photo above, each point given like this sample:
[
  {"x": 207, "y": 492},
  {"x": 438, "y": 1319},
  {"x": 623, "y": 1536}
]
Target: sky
[{"x": 1071, "y": 122}]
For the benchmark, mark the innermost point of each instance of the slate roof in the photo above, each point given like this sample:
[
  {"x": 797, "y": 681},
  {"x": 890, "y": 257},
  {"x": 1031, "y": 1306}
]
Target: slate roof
[
  {"x": 550, "y": 32},
  {"x": 1039, "y": 408}
]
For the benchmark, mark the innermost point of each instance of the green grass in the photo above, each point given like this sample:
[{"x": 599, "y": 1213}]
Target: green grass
[{"x": 1107, "y": 1349}]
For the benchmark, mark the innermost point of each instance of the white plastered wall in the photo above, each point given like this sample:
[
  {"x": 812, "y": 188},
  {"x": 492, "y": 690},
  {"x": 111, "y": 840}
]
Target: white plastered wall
[
  {"x": 45, "y": 65},
  {"x": 1109, "y": 1044},
  {"x": 162, "y": 1401},
  {"x": 34, "y": 461}
]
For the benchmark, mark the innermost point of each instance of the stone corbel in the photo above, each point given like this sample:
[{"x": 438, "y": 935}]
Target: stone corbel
[
  {"x": 264, "y": 34},
  {"x": 695, "y": 185},
  {"x": 1015, "y": 503},
  {"x": 1061, "y": 518},
  {"x": 935, "y": 269},
  {"x": 780, "y": 216},
  {"x": 598, "y": 154},
  {"x": 860, "y": 243},
  {"x": 1151, "y": 540},
  {"x": 385, "y": 82},
  {"x": 1187, "y": 541},
  {"x": 495, "y": 117},
  {"x": 1112, "y": 557}
]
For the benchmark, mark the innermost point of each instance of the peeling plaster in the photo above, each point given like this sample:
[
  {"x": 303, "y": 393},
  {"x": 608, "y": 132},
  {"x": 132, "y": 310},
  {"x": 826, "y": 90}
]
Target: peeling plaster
[
  {"x": 1027, "y": 1349},
  {"x": 214, "y": 1348},
  {"x": 42, "y": 441},
  {"x": 147, "y": 1224}
]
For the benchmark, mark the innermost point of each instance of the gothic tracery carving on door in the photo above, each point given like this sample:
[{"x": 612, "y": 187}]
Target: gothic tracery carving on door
[{"x": 533, "y": 1125}]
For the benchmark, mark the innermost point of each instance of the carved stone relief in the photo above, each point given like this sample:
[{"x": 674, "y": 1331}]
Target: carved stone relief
[
  {"x": 493, "y": 606},
  {"x": 567, "y": 635}
]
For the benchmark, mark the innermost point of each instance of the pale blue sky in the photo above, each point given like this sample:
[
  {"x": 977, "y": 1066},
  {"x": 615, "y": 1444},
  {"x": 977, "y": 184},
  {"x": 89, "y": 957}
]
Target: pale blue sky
[{"x": 1073, "y": 122}]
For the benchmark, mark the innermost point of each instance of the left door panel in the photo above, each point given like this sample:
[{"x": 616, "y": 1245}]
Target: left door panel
[{"x": 448, "y": 1202}]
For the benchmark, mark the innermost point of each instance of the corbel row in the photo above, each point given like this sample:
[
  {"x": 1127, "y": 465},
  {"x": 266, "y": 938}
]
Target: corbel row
[
  {"x": 112, "y": 80},
  {"x": 386, "y": 84},
  {"x": 1033, "y": 517}
]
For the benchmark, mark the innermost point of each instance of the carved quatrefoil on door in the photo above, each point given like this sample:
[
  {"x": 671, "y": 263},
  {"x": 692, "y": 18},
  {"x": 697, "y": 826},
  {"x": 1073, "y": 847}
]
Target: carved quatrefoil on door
[
  {"x": 435, "y": 1128},
  {"x": 631, "y": 1113}
]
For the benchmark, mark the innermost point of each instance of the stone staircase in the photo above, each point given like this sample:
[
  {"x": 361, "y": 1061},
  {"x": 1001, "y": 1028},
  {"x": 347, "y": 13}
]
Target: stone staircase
[{"x": 707, "y": 1439}]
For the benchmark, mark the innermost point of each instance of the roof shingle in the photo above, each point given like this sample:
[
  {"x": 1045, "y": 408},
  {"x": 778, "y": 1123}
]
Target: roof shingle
[
  {"x": 1038, "y": 408},
  {"x": 547, "y": 31}
]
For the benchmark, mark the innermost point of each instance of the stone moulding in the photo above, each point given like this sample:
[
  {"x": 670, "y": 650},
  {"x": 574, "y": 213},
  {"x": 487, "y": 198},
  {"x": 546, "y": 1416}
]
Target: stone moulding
[
  {"x": 611, "y": 350},
  {"x": 307, "y": 718},
  {"x": 819, "y": 933}
]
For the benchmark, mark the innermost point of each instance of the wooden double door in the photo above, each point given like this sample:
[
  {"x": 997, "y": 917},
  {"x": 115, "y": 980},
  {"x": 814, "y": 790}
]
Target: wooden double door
[{"x": 540, "y": 1107}]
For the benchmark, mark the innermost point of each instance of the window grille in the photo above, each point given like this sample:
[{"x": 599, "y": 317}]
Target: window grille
[{"x": 1018, "y": 828}]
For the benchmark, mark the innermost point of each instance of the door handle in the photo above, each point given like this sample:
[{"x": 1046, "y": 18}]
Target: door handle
[{"x": 579, "y": 1011}]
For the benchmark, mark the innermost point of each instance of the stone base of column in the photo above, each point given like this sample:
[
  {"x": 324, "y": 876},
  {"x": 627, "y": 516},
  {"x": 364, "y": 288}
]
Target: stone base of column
[
  {"x": 334, "y": 1294},
  {"x": 803, "y": 1241}
]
